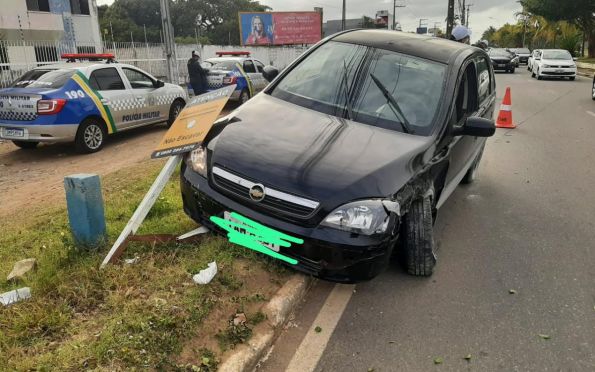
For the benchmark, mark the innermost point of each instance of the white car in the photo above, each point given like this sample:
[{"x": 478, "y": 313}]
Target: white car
[
  {"x": 535, "y": 54},
  {"x": 554, "y": 63}
]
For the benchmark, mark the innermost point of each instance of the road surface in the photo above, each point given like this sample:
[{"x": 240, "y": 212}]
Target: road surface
[{"x": 527, "y": 225}]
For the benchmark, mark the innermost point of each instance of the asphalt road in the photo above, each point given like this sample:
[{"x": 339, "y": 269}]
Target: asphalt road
[{"x": 527, "y": 224}]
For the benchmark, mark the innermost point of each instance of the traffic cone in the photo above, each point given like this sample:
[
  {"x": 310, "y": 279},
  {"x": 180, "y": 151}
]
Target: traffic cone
[{"x": 505, "y": 115}]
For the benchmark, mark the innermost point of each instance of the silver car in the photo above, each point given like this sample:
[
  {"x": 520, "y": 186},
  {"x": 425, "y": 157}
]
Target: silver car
[{"x": 84, "y": 103}]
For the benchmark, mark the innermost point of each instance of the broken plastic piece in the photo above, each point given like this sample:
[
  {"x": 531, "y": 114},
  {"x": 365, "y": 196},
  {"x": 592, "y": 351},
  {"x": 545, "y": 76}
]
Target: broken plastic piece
[
  {"x": 132, "y": 261},
  {"x": 205, "y": 276},
  {"x": 8, "y": 298},
  {"x": 200, "y": 230}
]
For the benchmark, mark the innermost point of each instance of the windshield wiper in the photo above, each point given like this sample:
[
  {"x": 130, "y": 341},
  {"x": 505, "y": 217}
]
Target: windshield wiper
[
  {"x": 404, "y": 123},
  {"x": 346, "y": 91}
]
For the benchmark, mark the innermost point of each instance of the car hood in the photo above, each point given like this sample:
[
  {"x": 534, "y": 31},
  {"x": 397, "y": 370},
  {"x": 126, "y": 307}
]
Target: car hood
[
  {"x": 314, "y": 155},
  {"x": 558, "y": 62}
]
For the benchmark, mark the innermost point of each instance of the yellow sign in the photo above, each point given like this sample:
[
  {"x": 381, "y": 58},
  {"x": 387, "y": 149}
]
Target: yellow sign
[{"x": 194, "y": 122}]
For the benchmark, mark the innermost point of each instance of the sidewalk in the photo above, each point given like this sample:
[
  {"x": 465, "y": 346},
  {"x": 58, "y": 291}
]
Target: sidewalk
[{"x": 586, "y": 69}]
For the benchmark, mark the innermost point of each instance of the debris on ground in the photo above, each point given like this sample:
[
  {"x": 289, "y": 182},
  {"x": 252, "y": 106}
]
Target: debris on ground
[
  {"x": 512, "y": 291},
  {"x": 438, "y": 360},
  {"x": 206, "y": 275},
  {"x": 467, "y": 357},
  {"x": 8, "y": 298},
  {"x": 21, "y": 268},
  {"x": 239, "y": 319},
  {"x": 545, "y": 337},
  {"x": 317, "y": 329},
  {"x": 132, "y": 261}
]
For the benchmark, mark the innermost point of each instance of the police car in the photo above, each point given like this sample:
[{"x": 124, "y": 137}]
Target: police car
[
  {"x": 236, "y": 68},
  {"x": 84, "y": 102}
]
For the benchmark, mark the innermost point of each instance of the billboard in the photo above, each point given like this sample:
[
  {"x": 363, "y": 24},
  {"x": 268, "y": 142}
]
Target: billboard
[{"x": 280, "y": 28}]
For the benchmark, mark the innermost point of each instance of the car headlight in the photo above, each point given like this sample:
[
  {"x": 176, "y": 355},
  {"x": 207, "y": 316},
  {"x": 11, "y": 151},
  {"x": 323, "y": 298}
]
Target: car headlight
[
  {"x": 198, "y": 160},
  {"x": 363, "y": 217}
]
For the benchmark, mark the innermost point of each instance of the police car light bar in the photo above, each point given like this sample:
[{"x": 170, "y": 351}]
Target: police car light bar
[
  {"x": 221, "y": 54},
  {"x": 72, "y": 57}
]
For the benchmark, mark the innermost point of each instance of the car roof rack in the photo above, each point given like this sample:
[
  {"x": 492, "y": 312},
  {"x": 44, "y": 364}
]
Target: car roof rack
[
  {"x": 221, "y": 54},
  {"x": 72, "y": 57}
]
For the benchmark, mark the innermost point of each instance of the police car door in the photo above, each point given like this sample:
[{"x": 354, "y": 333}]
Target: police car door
[
  {"x": 250, "y": 70},
  {"x": 260, "y": 82},
  {"x": 109, "y": 83},
  {"x": 152, "y": 103}
]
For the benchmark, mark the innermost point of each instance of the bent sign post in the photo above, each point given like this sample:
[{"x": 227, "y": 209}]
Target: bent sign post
[{"x": 186, "y": 134}]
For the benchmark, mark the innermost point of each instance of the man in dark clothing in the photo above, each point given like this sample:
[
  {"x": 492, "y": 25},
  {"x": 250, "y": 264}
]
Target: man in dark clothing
[{"x": 198, "y": 76}]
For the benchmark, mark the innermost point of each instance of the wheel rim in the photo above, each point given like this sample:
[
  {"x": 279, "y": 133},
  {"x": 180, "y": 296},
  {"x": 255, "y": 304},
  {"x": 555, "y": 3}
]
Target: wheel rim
[
  {"x": 177, "y": 110},
  {"x": 593, "y": 88},
  {"x": 93, "y": 137}
]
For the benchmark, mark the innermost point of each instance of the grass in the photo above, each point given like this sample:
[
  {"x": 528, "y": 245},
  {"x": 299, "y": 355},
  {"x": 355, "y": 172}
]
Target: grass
[
  {"x": 586, "y": 60},
  {"x": 125, "y": 316}
]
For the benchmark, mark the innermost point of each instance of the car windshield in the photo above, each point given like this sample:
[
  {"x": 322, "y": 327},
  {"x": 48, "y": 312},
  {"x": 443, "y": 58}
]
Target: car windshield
[
  {"x": 369, "y": 85},
  {"x": 43, "y": 79},
  {"x": 226, "y": 65},
  {"x": 499, "y": 53},
  {"x": 556, "y": 54}
]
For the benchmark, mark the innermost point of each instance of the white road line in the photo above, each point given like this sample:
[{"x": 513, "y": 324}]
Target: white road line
[
  {"x": 313, "y": 345},
  {"x": 591, "y": 113}
]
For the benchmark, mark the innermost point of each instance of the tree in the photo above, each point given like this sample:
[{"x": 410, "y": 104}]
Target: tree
[
  {"x": 489, "y": 33},
  {"x": 579, "y": 12},
  {"x": 368, "y": 22}
]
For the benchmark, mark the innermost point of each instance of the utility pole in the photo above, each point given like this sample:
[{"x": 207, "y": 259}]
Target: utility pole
[
  {"x": 468, "y": 6},
  {"x": 462, "y": 13},
  {"x": 450, "y": 17},
  {"x": 395, "y": 6},
  {"x": 343, "y": 17},
  {"x": 168, "y": 36}
]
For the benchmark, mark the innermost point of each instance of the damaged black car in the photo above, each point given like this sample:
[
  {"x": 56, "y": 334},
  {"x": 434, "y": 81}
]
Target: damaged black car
[{"x": 352, "y": 149}]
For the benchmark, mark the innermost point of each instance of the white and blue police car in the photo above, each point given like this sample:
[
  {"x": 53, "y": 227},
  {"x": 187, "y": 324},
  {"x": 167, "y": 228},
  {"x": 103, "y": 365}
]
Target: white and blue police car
[{"x": 84, "y": 102}]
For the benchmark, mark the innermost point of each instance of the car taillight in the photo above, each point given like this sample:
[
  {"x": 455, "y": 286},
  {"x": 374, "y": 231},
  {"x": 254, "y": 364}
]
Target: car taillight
[
  {"x": 228, "y": 80},
  {"x": 50, "y": 106}
]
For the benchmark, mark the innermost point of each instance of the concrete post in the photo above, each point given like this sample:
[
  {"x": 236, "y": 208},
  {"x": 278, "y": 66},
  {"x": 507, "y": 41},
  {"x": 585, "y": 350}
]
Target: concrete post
[{"x": 85, "y": 209}]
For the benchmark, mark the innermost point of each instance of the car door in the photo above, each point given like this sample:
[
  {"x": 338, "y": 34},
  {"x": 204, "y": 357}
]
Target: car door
[
  {"x": 150, "y": 100},
  {"x": 261, "y": 81},
  {"x": 119, "y": 99},
  {"x": 250, "y": 70},
  {"x": 463, "y": 149}
]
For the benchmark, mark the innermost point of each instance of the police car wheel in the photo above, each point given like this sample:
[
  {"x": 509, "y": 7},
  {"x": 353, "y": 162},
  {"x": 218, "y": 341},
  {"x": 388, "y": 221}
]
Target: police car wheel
[
  {"x": 174, "y": 111},
  {"x": 244, "y": 96},
  {"x": 90, "y": 136},
  {"x": 26, "y": 144}
]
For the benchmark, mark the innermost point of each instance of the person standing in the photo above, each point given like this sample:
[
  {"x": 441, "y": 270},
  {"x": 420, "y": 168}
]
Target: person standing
[{"x": 197, "y": 75}]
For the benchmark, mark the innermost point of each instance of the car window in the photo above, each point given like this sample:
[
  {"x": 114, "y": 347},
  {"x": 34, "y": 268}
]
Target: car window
[
  {"x": 249, "y": 66},
  {"x": 43, "y": 79},
  {"x": 483, "y": 79},
  {"x": 338, "y": 70},
  {"x": 466, "y": 103},
  {"x": 226, "y": 65},
  {"x": 106, "y": 79},
  {"x": 259, "y": 66},
  {"x": 137, "y": 79}
]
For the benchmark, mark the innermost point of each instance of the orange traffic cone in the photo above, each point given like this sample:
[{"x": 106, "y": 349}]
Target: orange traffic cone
[{"x": 505, "y": 115}]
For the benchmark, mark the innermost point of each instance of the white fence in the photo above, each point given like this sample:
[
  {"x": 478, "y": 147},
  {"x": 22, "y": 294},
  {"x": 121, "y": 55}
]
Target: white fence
[{"x": 17, "y": 57}]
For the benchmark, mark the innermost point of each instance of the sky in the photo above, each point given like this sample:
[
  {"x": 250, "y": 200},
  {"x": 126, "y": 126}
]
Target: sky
[{"x": 484, "y": 13}]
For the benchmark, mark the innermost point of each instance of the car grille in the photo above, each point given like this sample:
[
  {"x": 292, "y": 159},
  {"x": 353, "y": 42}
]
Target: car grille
[{"x": 276, "y": 200}]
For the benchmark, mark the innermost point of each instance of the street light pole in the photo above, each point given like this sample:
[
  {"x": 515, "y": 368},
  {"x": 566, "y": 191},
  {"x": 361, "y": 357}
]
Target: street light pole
[
  {"x": 343, "y": 17},
  {"x": 395, "y": 6},
  {"x": 168, "y": 38},
  {"x": 450, "y": 17}
]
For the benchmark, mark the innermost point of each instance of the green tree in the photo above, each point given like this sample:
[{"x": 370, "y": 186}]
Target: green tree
[
  {"x": 488, "y": 34},
  {"x": 579, "y": 12}
]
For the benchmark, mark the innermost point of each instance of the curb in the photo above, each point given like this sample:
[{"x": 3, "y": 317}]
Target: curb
[
  {"x": 277, "y": 311},
  {"x": 586, "y": 73}
]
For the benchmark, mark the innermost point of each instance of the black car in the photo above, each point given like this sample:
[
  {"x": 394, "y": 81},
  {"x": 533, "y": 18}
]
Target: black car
[
  {"x": 502, "y": 59},
  {"x": 352, "y": 148},
  {"x": 523, "y": 54}
]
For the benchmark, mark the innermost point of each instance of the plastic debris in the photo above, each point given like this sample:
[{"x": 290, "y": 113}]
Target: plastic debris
[
  {"x": 8, "y": 298},
  {"x": 200, "y": 230},
  {"x": 132, "y": 261},
  {"x": 205, "y": 276},
  {"x": 21, "y": 268}
]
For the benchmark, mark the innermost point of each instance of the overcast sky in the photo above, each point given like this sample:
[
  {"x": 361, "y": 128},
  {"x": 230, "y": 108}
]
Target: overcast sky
[{"x": 484, "y": 13}]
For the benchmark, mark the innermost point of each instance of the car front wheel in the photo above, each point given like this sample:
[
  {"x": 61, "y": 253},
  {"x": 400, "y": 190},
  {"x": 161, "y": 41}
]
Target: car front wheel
[
  {"x": 26, "y": 144},
  {"x": 90, "y": 136},
  {"x": 418, "y": 238},
  {"x": 174, "y": 111},
  {"x": 538, "y": 76}
]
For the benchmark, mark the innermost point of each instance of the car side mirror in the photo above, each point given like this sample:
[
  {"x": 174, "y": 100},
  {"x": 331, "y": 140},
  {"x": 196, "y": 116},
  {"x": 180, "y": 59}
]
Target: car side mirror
[
  {"x": 477, "y": 127},
  {"x": 574, "y": 58},
  {"x": 270, "y": 72},
  {"x": 159, "y": 84}
]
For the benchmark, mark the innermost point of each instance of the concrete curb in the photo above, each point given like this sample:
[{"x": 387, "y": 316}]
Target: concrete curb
[{"x": 277, "y": 311}]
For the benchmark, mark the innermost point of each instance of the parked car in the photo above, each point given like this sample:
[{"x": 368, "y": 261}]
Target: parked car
[
  {"x": 522, "y": 53},
  {"x": 236, "y": 68},
  {"x": 530, "y": 62},
  {"x": 353, "y": 148},
  {"x": 502, "y": 59},
  {"x": 554, "y": 63},
  {"x": 84, "y": 102}
]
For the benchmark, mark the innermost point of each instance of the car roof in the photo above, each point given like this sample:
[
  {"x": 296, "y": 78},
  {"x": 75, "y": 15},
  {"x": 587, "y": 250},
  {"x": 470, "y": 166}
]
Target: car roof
[
  {"x": 79, "y": 65},
  {"x": 226, "y": 59},
  {"x": 428, "y": 47}
]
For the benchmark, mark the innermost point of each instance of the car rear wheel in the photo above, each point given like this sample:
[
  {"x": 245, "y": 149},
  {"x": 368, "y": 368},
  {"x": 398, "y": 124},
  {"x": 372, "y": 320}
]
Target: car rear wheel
[
  {"x": 593, "y": 90},
  {"x": 90, "y": 137},
  {"x": 418, "y": 238},
  {"x": 244, "y": 96},
  {"x": 25, "y": 144},
  {"x": 512, "y": 70},
  {"x": 174, "y": 111},
  {"x": 472, "y": 173}
]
